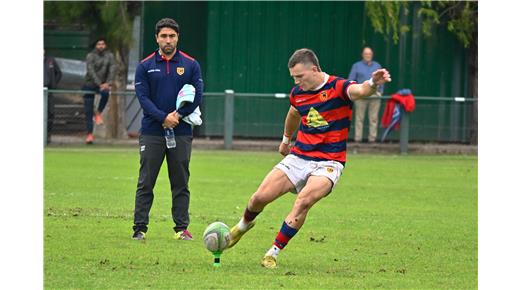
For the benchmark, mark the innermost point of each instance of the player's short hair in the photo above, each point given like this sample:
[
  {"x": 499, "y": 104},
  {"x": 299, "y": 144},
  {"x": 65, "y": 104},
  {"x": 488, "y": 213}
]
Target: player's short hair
[
  {"x": 304, "y": 56},
  {"x": 166, "y": 22}
]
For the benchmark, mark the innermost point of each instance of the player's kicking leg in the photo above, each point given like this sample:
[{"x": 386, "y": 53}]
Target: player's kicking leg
[
  {"x": 316, "y": 188},
  {"x": 274, "y": 185}
]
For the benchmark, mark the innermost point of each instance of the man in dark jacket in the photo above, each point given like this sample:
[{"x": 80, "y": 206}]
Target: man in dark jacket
[
  {"x": 51, "y": 77},
  {"x": 101, "y": 70},
  {"x": 158, "y": 80}
]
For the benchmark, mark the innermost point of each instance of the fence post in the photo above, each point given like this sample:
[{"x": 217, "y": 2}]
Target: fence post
[
  {"x": 404, "y": 133},
  {"x": 228, "y": 118},
  {"x": 45, "y": 114}
]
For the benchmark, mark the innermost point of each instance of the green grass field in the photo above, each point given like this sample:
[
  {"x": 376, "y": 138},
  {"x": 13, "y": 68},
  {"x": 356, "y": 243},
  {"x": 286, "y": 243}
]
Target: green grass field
[{"x": 392, "y": 222}]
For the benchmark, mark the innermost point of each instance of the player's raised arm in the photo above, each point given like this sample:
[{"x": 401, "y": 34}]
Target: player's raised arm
[
  {"x": 368, "y": 88},
  {"x": 291, "y": 123}
]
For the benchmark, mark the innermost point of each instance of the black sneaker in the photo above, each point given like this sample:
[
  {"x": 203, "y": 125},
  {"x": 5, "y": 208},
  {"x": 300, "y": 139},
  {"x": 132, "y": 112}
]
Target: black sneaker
[{"x": 138, "y": 235}]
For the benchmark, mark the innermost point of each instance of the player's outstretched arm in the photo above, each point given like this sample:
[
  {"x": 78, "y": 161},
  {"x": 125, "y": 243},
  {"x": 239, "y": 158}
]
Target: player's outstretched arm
[
  {"x": 291, "y": 123},
  {"x": 368, "y": 88}
]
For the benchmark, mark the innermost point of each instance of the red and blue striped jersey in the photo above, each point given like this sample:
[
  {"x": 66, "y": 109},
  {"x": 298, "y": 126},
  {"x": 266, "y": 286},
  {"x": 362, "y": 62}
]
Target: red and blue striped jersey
[{"x": 325, "y": 121}]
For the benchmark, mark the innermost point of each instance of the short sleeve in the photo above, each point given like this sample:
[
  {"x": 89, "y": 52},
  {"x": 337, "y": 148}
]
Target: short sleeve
[
  {"x": 291, "y": 98},
  {"x": 342, "y": 88}
]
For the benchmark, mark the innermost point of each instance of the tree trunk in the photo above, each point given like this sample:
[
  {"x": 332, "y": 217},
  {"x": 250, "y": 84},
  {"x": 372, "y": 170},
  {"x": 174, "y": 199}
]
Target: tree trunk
[{"x": 116, "y": 125}]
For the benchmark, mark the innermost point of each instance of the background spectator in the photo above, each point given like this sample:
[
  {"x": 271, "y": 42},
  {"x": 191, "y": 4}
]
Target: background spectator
[
  {"x": 360, "y": 72},
  {"x": 101, "y": 69}
]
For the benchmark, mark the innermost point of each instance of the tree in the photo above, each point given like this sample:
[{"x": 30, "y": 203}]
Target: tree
[
  {"x": 113, "y": 20},
  {"x": 459, "y": 17}
]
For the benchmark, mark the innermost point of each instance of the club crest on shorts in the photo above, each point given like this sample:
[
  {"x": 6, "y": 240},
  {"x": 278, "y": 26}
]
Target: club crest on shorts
[
  {"x": 180, "y": 71},
  {"x": 330, "y": 169},
  {"x": 323, "y": 96}
]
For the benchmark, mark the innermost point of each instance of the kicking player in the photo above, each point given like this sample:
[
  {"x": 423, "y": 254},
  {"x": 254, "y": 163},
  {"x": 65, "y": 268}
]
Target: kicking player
[{"x": 321, "y": 105}]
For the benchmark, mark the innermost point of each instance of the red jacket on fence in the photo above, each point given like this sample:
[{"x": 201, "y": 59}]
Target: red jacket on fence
[{"x": 403, "y": 98}]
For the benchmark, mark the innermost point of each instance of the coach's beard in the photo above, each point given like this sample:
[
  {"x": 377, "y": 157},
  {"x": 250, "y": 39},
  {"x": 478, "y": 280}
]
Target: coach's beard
[{"x": 168, "y": 49}]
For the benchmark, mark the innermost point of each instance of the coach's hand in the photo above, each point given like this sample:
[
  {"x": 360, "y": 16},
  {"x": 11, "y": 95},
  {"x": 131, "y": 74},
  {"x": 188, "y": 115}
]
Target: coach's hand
[
  {"x": 381, "y": 76},
  {"x": 171, "y": 121},
  {"x": 284, "y": 149}
]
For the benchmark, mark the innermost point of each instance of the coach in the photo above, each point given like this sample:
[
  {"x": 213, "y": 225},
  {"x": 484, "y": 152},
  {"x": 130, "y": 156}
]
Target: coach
[{"x": 158, "y": 80}]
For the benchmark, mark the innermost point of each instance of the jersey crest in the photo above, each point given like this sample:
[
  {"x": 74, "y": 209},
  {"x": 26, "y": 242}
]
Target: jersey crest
[{"x": 314, "y": 119}]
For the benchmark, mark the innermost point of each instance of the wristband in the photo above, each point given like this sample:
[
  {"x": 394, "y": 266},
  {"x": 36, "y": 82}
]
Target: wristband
[
  {"x": 371, "y": 83},
  {"x": 286, "y": 140}
]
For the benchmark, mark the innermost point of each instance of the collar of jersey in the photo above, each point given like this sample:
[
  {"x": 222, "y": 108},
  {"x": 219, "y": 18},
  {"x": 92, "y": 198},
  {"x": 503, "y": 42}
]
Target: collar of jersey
[
  {"x": 324, "y": 82},
  {"x": 175, "y": 57}
]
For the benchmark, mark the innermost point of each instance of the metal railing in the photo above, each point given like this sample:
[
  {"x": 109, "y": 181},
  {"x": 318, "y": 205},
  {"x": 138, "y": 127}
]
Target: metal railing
[
  {"x": 404, "y": 132},
  {"x": 229, "y": 101},
  {"x": 47, "y": 92}
]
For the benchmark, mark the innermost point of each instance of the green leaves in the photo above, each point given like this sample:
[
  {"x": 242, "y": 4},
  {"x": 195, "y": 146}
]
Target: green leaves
[
  {"x": 459, "y": 17},
  {"x": 465, "y": 25},
  {"x": 384, "y": 17},
  {"x": 118, "y": 24},
  {"x": 112, "y": 19},
  {"x": 429, "y": 17}
]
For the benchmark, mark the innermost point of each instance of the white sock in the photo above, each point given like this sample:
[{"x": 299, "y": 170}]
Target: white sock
[
  {"x": 242, "y": 225},
  {"x": 273, "y": 251}
]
